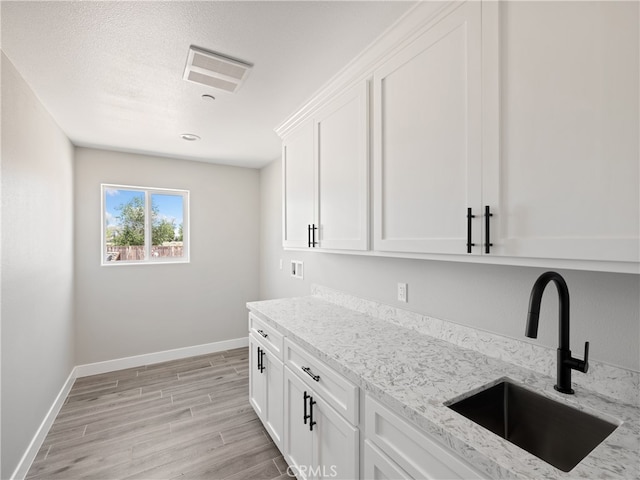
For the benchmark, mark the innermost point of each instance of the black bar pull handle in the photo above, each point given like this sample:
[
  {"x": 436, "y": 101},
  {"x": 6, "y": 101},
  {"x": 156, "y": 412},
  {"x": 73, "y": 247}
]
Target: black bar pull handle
[
  {"x": 469, "y": 217},
  {"x": 262, "y": 367},
  {"x": 309, "y": 235},
  {"x": 264, "y": 335},
  {"x": 306, "y": 416},
  {"x": 487, "y": 232},
  {"x": 308, "y": 371},
  {"x": 312, "y": 402},
  {"x": 259, "y": 360}
]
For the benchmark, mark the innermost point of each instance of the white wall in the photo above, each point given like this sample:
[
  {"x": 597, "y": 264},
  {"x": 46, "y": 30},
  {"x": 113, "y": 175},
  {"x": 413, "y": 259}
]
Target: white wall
[
  {"x": 37, "y": 264},
  {"x": 604, "y": 306},
  {"x": 131, "y": 310}
]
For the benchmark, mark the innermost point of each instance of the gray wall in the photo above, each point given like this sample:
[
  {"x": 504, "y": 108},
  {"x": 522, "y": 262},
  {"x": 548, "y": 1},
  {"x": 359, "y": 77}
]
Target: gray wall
[
  {"x": 131, "y": 310},
  {"x": 604, "y": 306},
  {"x": 37, "y": 264}
]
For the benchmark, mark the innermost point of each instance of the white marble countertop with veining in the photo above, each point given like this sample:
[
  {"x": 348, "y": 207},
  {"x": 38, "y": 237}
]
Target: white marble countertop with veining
[{"x": 416, "y": 375}]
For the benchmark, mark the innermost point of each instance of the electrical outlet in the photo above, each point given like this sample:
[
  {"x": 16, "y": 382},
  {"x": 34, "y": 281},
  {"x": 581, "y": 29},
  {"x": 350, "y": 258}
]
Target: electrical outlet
[
  {"x": 402, "y": 292},
  {"x": 297, "y": 269}
]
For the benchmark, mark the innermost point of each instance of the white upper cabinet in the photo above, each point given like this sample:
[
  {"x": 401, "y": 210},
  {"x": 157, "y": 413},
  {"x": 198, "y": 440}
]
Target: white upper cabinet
[
  {"x": 561, "y": 129},
  {"x": 298, "y": 186},
  {"x": 326, "y": 176},
  {"x": 342, "y": 170},
  {"x": 501, "y": 132},
  {"x": 427, "y": 138}
]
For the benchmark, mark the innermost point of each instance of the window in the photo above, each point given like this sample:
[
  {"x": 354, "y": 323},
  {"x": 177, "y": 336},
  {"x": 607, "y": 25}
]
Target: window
[{"x": 142, "y": 225}]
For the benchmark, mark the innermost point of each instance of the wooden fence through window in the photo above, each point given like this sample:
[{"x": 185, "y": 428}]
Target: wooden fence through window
[{"x": 137, "y": 252}]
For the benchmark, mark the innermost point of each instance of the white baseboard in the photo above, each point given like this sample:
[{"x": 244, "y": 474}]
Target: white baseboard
[
  {"x": 109, "y": 366},
  {"x": 32, "y": 450},
  {"x": 158, "y": 357}
]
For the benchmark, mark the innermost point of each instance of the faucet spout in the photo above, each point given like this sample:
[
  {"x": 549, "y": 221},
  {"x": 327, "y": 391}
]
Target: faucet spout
[
  {"x": 566, "y": 362},
  {"x": 534, "y": 307}
]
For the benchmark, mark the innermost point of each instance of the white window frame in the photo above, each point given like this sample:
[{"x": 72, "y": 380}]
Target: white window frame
[{"x": 148, "y": 191}]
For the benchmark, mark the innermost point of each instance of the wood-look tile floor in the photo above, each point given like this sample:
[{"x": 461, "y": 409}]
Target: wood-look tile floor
[{"x": 188, "y": 419}]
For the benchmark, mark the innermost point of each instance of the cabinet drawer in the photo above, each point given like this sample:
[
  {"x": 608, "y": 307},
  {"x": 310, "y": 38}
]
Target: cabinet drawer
[
  {"x": 411, "y": 449},
  {"x": 336, "y": 390},
  {"x": 270, "y": 337},
  {"x": 377, "y": 466}
]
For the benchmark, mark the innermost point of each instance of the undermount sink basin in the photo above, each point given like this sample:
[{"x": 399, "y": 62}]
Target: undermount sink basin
[{"x": 552, "y": 431}]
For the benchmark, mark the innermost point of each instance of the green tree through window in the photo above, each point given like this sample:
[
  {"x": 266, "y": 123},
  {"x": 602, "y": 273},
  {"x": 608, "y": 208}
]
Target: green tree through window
[{"x": 131, "y": 220}]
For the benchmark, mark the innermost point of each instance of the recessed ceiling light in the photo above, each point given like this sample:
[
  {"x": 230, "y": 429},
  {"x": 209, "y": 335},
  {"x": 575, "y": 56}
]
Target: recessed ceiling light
[
  {"x": 189, "y": 137},
  {"x": 208, "y": 97}
]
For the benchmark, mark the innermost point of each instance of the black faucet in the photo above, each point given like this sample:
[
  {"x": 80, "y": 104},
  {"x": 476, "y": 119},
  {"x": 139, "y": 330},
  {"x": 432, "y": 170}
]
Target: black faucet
[{"x": 566, "y": 362}]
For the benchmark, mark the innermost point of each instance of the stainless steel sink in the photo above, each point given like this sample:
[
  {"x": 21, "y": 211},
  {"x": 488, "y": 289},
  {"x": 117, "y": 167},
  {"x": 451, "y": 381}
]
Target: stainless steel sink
[{"x": 552, "y": 431}]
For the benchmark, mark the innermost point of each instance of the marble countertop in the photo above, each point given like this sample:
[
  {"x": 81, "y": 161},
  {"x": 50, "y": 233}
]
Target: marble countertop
[{"x": 416, "y": 375}]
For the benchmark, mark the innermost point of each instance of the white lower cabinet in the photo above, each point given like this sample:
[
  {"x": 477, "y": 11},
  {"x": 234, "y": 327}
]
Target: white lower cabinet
[
  {"x": 403, "y": 451},
  {"x": 266, "y": 388},
  {"x": 313, "y": 414},
  {"x": 318, "y": 441}
]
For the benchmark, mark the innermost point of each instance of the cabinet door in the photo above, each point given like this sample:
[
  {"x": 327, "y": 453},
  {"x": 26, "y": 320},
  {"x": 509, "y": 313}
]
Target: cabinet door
[
  {"x": 257, "y": 380},
  {"x": 335, "y": 443},
  {"x": 274, "y": 410},
  {"x": 562, "y": 122},
  {"x": 298, "y": 446},
  {"x": 427, "y": 138},
  {"x": 298, "y": 186},
  {"x": 342, "y": 170}
]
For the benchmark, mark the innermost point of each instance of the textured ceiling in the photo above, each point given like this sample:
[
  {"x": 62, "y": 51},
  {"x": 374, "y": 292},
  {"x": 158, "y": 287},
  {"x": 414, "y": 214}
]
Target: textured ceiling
[{"x": 110, "y": 73}]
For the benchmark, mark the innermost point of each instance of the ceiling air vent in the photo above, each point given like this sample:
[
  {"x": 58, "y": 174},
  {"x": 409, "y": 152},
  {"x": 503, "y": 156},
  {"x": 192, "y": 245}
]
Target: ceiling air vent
[{"x": 215, "y": 70}]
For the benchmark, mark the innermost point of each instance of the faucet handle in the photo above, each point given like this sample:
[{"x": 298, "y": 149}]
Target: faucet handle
[
  {"x": 576, "y": 363},
  {"x": 585, "y": 362}
]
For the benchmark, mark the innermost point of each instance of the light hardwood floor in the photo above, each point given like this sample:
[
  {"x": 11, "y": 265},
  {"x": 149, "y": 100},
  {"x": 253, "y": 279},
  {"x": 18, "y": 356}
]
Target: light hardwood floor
[{"x": 188, "y": 419}]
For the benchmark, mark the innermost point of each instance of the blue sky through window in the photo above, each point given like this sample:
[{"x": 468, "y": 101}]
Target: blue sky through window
[
  {"x": 169, "y": 206},
  {"x": 113, "y": 199}
]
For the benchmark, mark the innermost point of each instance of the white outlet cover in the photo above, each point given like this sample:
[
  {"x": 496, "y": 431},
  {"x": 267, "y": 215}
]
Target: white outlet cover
[
  {"x": 297, "y": 269},
  {"x": 402, "y": 292}
]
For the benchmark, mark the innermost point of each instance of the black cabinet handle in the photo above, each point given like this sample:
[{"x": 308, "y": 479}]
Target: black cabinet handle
[
  {"x": 306, "y": 396},
  {"x": 308, "y": 371},
  {"x": 469, "y": 217},
  {"x": 264, "y": 335},
  {"x": 259, "y": 360},
  {"x": 311, "y": 421},
  {"x": 311, "y": 235},
  {"x": 487, "y": 215}
]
